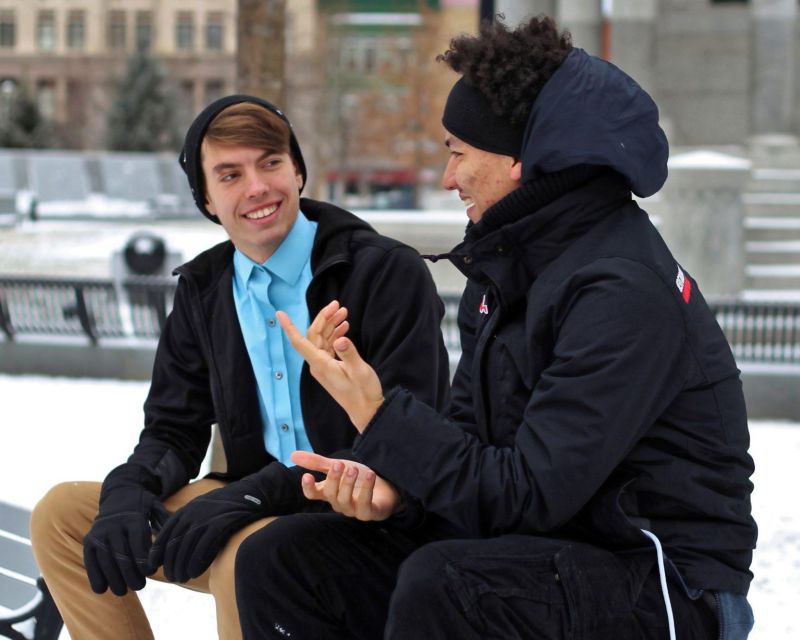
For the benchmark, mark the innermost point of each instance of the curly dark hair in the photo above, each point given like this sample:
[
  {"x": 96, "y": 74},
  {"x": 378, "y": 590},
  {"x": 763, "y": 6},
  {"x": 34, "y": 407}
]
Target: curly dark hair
[{"x": 510, "y": 67}]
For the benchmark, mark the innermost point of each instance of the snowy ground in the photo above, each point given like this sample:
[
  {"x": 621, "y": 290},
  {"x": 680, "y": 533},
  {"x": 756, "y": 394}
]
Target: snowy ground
[{"x": 60, "y": 429}]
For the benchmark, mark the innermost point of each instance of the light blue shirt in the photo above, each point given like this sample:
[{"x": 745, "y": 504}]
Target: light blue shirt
[{"x": 258, "y": 291}]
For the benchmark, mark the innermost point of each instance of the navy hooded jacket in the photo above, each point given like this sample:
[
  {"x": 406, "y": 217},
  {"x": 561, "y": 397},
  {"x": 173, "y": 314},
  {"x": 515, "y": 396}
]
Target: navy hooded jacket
[{"x": 596, "y": 394}]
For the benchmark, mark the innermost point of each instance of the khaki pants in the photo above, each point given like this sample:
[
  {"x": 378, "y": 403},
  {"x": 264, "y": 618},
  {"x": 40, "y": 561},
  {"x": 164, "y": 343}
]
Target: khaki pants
[{"x": 58, "y": 524}]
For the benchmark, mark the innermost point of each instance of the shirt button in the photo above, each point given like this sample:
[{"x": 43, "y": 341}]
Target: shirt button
[
  {"x": 271, "y": 322},
  {"x": 279, "y": 375},
  {"x": 284, "y": 427}
]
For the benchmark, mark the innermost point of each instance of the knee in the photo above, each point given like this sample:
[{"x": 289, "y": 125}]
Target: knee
[
  {"x": 257, "y": 554},
  {"x": 422, "y": 577},
  {"x": 271, "y": 553},
  {"x": 221, "y": 572},
  {"x": 66, "y": 509},
  {"x": 51, "y": 510}
]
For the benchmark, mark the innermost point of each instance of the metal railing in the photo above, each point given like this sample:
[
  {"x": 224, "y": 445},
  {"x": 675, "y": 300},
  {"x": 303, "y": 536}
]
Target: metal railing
[
  {"x": 762, "y": 332},
  {"x": 96, "y": 309}
]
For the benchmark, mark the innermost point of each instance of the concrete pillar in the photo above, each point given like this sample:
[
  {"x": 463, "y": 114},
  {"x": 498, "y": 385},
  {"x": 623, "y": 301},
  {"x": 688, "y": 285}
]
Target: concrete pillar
[
  {"x": 517, "y": 11},
  {"x": 633, "y": 39},
  {"x": 584, "y": 20},
  {"x": 774, "y": 24},
  {"x": 702, "y": 218}
]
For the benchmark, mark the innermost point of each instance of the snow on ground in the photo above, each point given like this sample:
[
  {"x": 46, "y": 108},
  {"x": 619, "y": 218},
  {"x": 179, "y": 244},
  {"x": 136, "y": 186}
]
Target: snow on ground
[{"x": 58, "y": 429}]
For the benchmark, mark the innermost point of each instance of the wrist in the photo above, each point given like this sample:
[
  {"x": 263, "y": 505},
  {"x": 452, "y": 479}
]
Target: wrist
[{"x": 365, "y": 414}]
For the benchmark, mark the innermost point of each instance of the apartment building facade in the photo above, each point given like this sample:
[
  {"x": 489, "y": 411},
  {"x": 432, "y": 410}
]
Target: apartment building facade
[{"x": 71, "y": 53}]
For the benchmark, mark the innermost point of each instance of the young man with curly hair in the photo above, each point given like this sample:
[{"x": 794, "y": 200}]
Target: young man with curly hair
[
  {"x": 590, "y": 478},
  {"x": 222, "y": 359}
]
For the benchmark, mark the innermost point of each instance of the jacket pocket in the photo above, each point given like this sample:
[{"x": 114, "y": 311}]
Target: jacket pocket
[
  {"x": 601, "y": 591},
  {"x": 508, "y": 596}
]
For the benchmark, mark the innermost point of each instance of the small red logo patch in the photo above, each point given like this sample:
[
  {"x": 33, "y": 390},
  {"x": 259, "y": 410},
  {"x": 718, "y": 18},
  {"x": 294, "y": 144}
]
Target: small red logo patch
[
  {"x": 484, "y": 308},
  {"x": 684, "y": 285}
]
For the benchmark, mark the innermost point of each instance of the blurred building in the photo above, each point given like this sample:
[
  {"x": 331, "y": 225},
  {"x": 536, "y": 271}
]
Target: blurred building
[
  {"x": 362, "y": 85},
  {"x": 70, "y": 53},
  {"x": 360, "y": 82},
  {"x": 721, "y": 71},
  {"x": 381, "y": 93}
]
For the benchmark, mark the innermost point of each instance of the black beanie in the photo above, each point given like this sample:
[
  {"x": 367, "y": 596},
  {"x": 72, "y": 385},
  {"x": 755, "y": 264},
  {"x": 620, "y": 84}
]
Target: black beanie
[
  {"x": 190, "y": 154},
  {"x": 469, "y": 116}
]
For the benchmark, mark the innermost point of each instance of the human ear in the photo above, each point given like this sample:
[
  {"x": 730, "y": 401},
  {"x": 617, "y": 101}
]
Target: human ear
[
  {"x": 210, "y": 206},
  {"x": 515, "y": 172}
]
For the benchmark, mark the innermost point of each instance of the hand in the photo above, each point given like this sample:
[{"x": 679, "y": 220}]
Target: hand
[
  {"x": 116, "y": 547},
  {"x": 329, "y": 325},
  {"x": 349, "y": 380},
  {"x": 351, "y": 488},
  {"x": 196, "y": 533}
]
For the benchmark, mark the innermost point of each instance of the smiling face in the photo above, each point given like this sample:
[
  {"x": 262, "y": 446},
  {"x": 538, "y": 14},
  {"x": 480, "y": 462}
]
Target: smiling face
[
  {"x": 254, "y": 193},
  {"x": 480, "y": 177}
]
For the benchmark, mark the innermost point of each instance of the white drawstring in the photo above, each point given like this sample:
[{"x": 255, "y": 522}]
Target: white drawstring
[{"x": 663, "y": 576}]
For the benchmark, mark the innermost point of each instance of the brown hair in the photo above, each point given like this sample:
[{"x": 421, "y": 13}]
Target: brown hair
[{"x": 251, "y": 125}]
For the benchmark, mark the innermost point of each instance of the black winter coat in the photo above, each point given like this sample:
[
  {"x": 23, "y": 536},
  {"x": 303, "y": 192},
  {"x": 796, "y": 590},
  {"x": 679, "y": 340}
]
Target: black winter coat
[
  {"x": 203, "y": 375},
  {"x": 596, "y": 395}
]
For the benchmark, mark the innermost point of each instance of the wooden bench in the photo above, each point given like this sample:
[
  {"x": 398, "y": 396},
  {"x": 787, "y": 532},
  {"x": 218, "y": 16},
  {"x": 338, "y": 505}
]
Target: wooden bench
[{"x": 27, "y": 611}]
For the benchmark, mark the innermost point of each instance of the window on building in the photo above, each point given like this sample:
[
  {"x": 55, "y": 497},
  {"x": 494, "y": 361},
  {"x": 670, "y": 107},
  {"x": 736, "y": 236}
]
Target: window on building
[
  {"x": 214, "y": 31},
  {"x": 184, "y": 31},
  {"x": 359, "y": 55},
  {"x": 214, "y": 89},
  {"x": 76, "y": 29},
  {"x": 144, "y": 30},
  {"x": 186, "y": 109},
  {"x": 46, "y": 98},
  {"x": 186, "y": 94},
  {"x": 117, "y": 30},
  {"x": 8, "y": 29},
  {"x": 46, "y": 30},
  {"x": 8, "y": 87}
]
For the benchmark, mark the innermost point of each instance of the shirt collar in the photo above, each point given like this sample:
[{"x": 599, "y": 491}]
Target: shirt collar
[{"x": 289, "y": 258}]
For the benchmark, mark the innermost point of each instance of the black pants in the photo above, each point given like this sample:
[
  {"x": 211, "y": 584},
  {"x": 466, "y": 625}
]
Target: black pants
[{"x": 315, "y": 576}]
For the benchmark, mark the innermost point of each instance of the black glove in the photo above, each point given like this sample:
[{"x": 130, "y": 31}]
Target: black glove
[
  {"x": 115, "y": 548},
  {"x": 195, "y": 534}
]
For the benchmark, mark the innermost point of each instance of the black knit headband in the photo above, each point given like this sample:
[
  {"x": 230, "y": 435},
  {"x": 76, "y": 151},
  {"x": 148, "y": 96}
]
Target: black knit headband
[{"x": 469, "y": 116}]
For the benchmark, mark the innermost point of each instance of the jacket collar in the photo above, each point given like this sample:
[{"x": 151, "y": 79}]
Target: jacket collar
[
  {"x": 512, "y": 255},
  {"x": 335, "y": 227}
]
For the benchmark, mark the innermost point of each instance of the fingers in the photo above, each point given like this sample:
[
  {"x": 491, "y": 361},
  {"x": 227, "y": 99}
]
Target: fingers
[
  {"x": 97, "y": 578},
  {"x": 110, "y": 571},
  {"x": 363, "y": 502},
  {"x": 131, "y": 566},
  {"x": 313, "y": 461},
  {"x": 329, "y": 325},
  {"x": 348, "y": 354},
  {"x": 302, "y": 345},
  {"x": 158, "y": 550},
  {"x": 348, "y": 488}
]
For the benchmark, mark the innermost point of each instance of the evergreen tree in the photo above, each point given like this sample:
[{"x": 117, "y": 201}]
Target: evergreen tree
[
  {"x": 142, "y": 115},
  {"x": 22, "y": 124}
]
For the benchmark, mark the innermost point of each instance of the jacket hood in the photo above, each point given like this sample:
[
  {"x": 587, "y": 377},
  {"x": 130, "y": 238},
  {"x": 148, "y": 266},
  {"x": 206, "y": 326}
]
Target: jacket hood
[{"x": 592, "y": 113}]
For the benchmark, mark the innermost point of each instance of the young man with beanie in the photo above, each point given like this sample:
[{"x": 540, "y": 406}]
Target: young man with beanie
[
  {"x": 590, "y": 478},
  {"x": 222, "y": 359}
]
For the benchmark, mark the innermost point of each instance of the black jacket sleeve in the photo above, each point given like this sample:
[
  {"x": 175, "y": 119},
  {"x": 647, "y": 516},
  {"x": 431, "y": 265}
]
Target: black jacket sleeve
[
  {"x": 179, "y": 410},
  {"x": 401, "y": 328},
  {"x": 618, "y": 359}
]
